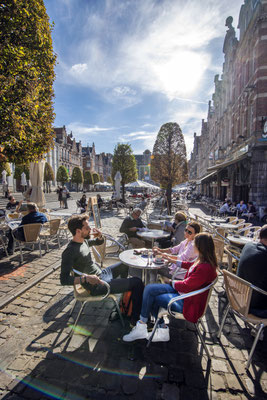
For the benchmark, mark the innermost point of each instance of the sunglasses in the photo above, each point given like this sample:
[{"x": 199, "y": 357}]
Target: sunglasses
[{"x": 189, "y": 232}]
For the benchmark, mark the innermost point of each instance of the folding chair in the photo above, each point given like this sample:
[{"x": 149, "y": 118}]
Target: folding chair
[{"x": 239, "y": 294}]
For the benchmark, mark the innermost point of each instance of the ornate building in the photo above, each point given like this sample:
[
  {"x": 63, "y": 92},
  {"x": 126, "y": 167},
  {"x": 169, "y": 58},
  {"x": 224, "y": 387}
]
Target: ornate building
[
  {"x": 143, "y": 165},
  {"x": 230, "y": 156}
]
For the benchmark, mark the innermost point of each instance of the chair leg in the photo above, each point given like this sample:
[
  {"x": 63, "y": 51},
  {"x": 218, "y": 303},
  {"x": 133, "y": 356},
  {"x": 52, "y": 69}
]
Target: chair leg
[
  {"x": 223, "y": 321},
  {"x": 40, "y": 249},
  {"x": 202, "y": 340},
  {"x": 58, "y": 241},
  {"x": 46, "y": 243},
  {"x": 118, "y": 311},
  {"x": 153, "y": 332},
  {"x": 77, "y": 319},
  {"x": 261, "y": 326},
  {"x": 20, "y": 250}
]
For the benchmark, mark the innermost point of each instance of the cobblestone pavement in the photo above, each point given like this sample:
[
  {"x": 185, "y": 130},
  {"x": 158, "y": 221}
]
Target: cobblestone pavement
[{"x": 38, "y": 361}]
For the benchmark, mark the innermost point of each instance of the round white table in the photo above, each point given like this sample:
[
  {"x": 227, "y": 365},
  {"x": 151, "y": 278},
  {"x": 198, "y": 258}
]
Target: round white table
[
  {"x": 146, "y": 264},
  {"x": 163, "y": 217},
  {"x": 153, "y": 234},
  {"x": 240, "y": 240},
  {"x": 60, "y": 214},
  {"x": 226, "y": 226},
  {"x": 215, "y": 220}
]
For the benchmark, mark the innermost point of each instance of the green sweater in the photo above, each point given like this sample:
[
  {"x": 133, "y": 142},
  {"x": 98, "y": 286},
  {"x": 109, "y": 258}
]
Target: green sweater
[{"x": 78, "y": 256}]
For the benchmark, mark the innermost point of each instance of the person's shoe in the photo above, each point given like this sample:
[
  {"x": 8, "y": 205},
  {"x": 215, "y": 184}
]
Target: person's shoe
[
  {"x": 161, "y": 335},
  {"x": 138, "y": 332}
]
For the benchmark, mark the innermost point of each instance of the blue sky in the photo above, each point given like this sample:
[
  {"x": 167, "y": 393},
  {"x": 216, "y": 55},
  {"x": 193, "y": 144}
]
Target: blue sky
[{"x": 125, "y": 67}]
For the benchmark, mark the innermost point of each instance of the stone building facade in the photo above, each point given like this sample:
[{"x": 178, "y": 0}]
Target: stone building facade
[
  {"x": 100, "y": 163},
  {"x": 66, "y": 152},
  {"x": 229, "y": 158},
  {"x": 143, "y": 165}
]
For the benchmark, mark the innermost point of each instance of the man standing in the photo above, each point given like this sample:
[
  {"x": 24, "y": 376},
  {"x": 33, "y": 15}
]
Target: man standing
[
  {"x": 33, "y": 217},
  {"x": 131, "y": 225},
  {"x": 253, "y": 268},
  {"x": 77, "y": 256}
]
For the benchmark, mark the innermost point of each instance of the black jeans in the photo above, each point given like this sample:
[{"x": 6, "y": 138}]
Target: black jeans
[
  {"x": 19, "y": 234},
  {"x": 121, "y": 285}
]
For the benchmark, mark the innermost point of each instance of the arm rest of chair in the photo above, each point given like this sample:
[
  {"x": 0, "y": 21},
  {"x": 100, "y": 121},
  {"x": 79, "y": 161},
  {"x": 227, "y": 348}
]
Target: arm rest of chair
[
  {"x": 186, "y": 295},
  {"x": 114, "y": 240},
  {"x": 102, "y": 282}
]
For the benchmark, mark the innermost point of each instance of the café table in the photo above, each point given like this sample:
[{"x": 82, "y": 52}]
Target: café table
[
  {"x": 163, "y": 217},
  {"x": 153, "y": 234},
  {"x": 230, "y": 227},
  {"x": 240, "y": 240},
  {"x": 158, "y": 222},
  {"x": 60, "y": 214},
  {"x": 144, "y": 263}
]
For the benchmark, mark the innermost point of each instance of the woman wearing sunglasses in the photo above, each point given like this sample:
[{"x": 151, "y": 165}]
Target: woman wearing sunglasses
[
  {"x": 185, "y": 251},
  {"x": 199, "y": 274}
]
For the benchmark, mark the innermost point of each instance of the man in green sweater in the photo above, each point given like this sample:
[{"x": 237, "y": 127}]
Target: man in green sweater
[{"x": 77, "y": 256}]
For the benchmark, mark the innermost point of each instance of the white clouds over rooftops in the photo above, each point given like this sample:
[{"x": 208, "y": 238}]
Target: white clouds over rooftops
[
  {"x": 82, "y": 129},
  {"x": 164, "y": 50}
]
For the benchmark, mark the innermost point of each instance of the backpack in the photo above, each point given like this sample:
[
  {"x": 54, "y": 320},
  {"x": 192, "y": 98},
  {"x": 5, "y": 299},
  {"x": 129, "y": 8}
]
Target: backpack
[{"x": 126, "y": 304}]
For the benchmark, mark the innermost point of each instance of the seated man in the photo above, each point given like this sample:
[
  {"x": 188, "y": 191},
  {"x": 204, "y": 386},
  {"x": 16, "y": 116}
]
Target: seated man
[
  {"x": 13, "y": 204},
  {"x": 253, "y": 268},
  {"x": 77, "y": 255},
  {"x": 142, "y": 205},
  {"x": 33, "y": 217},
  {"x": 225, "y": 208},
  {"x": 130, "y": 226},
  {"x": 241, "y": 208}
]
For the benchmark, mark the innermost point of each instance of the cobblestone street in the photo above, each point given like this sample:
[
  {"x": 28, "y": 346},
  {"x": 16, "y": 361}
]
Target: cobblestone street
[{"x": 38, "y": 361}]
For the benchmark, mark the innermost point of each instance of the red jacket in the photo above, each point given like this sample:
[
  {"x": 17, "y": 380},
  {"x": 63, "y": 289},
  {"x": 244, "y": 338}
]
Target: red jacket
[{"x": 200, "y": 276}]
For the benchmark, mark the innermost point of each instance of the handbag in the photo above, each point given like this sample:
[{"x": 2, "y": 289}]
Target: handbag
[{"x": 126, "y": 304}]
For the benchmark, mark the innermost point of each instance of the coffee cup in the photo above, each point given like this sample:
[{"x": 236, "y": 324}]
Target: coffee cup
[{"x": 158, "y": 259}]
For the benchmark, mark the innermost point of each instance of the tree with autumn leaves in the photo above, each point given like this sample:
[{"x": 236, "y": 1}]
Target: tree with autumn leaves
[
  {"x": 168, "y": 163},
  {"x": 27, "y": 74}
]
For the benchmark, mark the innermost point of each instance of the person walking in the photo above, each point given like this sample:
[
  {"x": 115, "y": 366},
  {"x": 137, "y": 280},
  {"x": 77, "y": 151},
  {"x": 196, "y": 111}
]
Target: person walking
[
  {"x": 59, "y": 192},
  {"x": 65, "y": 195}
]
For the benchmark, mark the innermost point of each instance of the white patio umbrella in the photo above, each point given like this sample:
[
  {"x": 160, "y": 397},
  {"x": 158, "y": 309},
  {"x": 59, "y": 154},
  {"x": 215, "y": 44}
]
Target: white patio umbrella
[
  {"x": 23, "y": 179},
  {"x": 37, "y": 178},
  {"x": 4, "y": 181},
  {"x": 117, "y": 185},
  {"x": 138, "y": 184}
]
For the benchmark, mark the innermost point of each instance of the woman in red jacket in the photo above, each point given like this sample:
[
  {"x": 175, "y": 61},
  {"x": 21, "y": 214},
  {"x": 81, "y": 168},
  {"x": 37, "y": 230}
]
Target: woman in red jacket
[{"x": 200, "y": 274}]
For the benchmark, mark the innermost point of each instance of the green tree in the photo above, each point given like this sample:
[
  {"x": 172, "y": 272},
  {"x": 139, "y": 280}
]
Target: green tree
[
  {"x": 21, "y": 168},
  {"x": 109, "y": 180},
  {"x": 27, "y": 74},
  {"x": 124, "y": 161},
  {"x": 5, "y": 167},
  {"x": 88, "y": 179},
  {"x": 48, "y": 176},
  {"x": 96, "y": 177},
  {"x": 77, "y": 176},
  {"x": 169, "y": 164},
  {"x": 62, "y": 175}
]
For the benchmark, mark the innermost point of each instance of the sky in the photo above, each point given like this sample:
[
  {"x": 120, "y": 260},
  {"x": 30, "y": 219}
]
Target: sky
[{"x": 126, "y": 67}]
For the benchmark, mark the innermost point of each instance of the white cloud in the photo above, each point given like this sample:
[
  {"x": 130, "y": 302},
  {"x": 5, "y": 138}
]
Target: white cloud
[
  {"x": 83, "y": 129},
  {"x": 166, "y": 52}
]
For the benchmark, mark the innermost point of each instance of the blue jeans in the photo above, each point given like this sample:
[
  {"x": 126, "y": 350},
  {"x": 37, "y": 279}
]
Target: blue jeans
[{"x": 156, "y": 296}]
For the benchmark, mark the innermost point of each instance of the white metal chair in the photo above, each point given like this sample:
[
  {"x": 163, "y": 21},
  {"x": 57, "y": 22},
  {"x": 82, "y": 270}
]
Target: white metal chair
[
  {"x": 168, "y": 311},
  {"x": 31, "y": 235},
  {"x": 84, "y": 296},
  {"x": 239, "y": 294}
]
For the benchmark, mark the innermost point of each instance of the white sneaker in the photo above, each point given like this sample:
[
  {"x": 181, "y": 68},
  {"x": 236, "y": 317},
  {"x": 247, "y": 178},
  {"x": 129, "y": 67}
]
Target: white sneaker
[
  {"x": 138, "y": 332},
  {"x": 161, "y": 335}
]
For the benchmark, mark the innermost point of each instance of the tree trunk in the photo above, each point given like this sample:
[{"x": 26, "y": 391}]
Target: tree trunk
[
  {"x": 169, "y": 198},
  {"x": 123, "y": 192}
]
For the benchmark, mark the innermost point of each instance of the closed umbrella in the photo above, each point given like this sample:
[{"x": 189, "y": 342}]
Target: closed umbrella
[
  {"x": 117, "y": 185},
  {"x": 37, "y": 179},
  {"x": 4, "y": 182},
  {"x": 23, "y": 179}
]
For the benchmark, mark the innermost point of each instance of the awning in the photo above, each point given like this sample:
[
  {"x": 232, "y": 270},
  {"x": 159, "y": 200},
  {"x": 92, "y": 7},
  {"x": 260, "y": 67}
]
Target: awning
[
  {"x": 227, "y": 163},
  {"x": 207, "y": 176}
]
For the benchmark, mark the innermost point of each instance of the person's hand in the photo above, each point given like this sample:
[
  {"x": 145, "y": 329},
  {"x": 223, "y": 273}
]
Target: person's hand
[
  {"x": 92, "y": 279},
  {"x": 97, "y": 233},
  {"x": 155, "y": 250},
  {"x": 166, "y": 280}
]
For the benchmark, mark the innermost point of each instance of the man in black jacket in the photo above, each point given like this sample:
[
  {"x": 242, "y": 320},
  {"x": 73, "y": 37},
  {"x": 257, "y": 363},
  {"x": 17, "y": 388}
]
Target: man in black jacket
[
  {"x": 253, "y": 268},
  {"x": 77, "y": 256},
  {"x": 131, "y": 225}
]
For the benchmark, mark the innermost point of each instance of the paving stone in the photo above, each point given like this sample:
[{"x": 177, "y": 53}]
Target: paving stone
[
  {"x": 233, "y": 382},
  {"x": 217, "y": 382},
  {"x": 219, "y": 366}
]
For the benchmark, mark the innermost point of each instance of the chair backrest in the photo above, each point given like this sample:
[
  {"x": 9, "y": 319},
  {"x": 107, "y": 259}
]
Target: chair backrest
[
  {"x": 99, "y": 252},
  {"x": 31, "y": 232},
  {"x": 54, "y": 225},
  {"x": 239, "y": 222},
  {"x": 238, "y": 292},
  {"x": 231, "y": 220},
  {"x": 209, "y": 295},
  {"x": 219, "y": 249}
]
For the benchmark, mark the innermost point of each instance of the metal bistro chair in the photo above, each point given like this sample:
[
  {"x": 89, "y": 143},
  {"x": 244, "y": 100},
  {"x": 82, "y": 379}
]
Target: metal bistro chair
[
  {"x": 31, "y": 234},
  {"x": 50, "y": 231},
  {"x": 84, "y": 296},
  {"x": 239, "y": 294},
  {"x": 163, "y": 311},
  {"x": 106, "y": 255}
]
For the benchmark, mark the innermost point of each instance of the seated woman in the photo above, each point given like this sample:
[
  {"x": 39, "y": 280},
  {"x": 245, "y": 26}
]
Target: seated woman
[
  {"x": 185, "y": 251},
  {"x": 99, "y": 201},
  {"x": 83, "y": 204},
  {"x": 199, "y": 274},
  {"x": 176, "y": 231}
]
